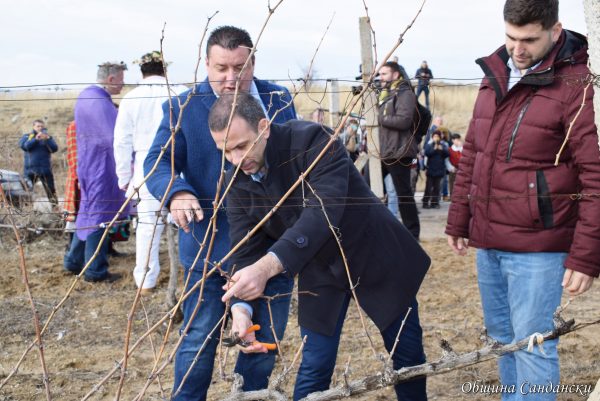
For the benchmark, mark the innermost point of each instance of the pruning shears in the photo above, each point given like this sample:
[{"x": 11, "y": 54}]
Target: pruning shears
[{"x": 235, "y": 339}]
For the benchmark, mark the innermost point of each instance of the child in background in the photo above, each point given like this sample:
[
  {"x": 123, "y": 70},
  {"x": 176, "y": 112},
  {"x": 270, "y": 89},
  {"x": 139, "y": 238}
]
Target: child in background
[
  {"x": 436, "y": 151},
  {"x": 455, "y": 152}
]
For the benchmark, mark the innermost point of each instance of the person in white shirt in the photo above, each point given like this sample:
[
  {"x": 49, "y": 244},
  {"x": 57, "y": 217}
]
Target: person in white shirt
[{"x": 140, "y": 114}]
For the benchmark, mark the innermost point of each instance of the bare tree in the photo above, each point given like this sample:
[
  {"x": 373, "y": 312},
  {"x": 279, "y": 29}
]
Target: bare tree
[
  {"x": 309, "y": 74},
  {"x": 591, "y": 9}
]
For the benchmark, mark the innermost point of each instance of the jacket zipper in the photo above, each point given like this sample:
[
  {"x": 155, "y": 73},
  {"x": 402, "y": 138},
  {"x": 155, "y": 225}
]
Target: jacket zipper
[{"x": 516, "y": 129}]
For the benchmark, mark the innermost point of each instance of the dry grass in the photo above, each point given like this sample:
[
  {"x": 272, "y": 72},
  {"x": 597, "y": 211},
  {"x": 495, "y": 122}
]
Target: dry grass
[
  {"x": 453, "y": 102},
  {"x": 19, "y": 109},
  {"x": 87, "y": 335}
]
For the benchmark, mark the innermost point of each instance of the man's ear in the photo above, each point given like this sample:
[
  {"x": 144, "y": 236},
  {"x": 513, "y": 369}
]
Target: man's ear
[
  {"x": 264, "y": 128},
  {"x": 556, "y": 31}
]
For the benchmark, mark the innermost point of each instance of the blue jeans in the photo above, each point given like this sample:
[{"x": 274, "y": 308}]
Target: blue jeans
[
  {"x": 255, "y": 368},
  {"x": 80, "y": 252},
  {"x": 424, "y": 89},
  {"x": 445, "y": 185},
  {"x": 392, "y": 196},
  {"x": 519, "y": 294},
  {"x": 320, "y": 351}
]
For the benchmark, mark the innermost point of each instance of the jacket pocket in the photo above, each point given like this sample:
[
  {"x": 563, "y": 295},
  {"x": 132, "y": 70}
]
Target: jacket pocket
[
  {"x": 555, "y": 187},
  {"x": 513, "y": 197},
  {"x": 544, "y": 200}
]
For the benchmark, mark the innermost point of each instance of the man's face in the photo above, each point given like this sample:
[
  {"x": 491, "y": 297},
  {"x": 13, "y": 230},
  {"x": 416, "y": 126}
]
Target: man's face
[
  {"x": 241, "y": 138},
  {"x": 114, "y": 83},
  {"x": 388, "y": 75},
  {"x": 528, "y": 44},
  {"x": 224, "y": 67},
  {"x": 38, "y": 127}
]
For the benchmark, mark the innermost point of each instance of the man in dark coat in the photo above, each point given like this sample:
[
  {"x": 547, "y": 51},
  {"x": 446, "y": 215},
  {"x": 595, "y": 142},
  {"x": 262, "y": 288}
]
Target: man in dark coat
[
  {"x": 423, "y": 76},
  {"x": 38, "y": 147},
  {"x": 385, "y": 264},
  {"x": 398, "y": 144}
]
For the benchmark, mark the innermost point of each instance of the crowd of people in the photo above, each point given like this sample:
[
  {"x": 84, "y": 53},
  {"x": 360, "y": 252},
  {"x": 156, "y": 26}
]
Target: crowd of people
[{"x": 506, "y": 186}]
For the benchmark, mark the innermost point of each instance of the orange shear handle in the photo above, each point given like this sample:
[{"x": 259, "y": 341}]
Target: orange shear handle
[{"x": 268, "y": 346}]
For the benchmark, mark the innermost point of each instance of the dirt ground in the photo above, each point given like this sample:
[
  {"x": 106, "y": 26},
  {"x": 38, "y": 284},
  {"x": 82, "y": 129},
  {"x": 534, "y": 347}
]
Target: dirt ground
[{"x": 86, "y": 337}]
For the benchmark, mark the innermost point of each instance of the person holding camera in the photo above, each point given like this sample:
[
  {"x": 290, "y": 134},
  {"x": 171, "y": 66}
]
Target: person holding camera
[
  {"x": 38, "y": 147},
  {"x": 437, "y": 152}
]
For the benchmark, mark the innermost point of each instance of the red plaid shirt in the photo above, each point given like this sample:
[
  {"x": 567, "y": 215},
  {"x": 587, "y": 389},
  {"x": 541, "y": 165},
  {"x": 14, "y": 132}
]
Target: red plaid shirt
[{"x": 72, "y": 194}]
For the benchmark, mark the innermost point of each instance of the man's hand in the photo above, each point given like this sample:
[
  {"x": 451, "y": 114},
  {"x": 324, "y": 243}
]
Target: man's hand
[
  {"x": 239, "y": 324},
  {"x": 249, "y": 282},
  {"x": 576, "y": 283},
  {"x": 458, "y": 245},
  {"x": 185, "y": 208}
]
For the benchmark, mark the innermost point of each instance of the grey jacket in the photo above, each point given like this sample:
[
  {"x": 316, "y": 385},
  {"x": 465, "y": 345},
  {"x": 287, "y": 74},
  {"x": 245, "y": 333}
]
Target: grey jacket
[{"x": 396, "y": 129}]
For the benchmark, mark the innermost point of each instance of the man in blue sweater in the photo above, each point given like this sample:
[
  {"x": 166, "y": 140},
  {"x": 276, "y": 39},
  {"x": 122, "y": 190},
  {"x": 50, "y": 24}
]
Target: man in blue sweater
[
  {"x": 197, "y": 170},
  {"x": 38, "y": 146}
]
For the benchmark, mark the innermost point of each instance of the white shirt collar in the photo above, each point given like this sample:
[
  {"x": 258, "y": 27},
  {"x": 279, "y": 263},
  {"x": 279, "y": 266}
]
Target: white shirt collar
[
  {"x": 515, "y": 73},
  {"x": 154, "y": 79},
  {"x": 254, "y": 92}
]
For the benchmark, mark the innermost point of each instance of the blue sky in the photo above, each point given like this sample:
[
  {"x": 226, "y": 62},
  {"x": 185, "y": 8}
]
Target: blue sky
[{"x": 62, "y": 41}]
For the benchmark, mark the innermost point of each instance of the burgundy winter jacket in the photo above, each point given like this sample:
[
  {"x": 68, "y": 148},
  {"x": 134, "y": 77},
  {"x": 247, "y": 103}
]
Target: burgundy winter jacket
[{"x": 508, "y": 193}]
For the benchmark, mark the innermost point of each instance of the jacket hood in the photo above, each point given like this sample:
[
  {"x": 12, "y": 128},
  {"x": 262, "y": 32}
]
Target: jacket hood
[
  {"x": 570, "y": 45},
  {"x": 570, "y": 48}
]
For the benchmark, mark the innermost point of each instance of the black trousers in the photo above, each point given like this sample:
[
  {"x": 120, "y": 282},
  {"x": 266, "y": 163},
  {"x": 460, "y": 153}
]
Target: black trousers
[
  {"x": 400, "y": 172},
  {"x": 48, "y": 183},
  {"x": 432, "y": 191}
]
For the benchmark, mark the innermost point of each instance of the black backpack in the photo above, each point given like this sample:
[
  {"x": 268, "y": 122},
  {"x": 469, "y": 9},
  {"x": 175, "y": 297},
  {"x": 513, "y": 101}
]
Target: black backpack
[{"x": 421, "y": 121}]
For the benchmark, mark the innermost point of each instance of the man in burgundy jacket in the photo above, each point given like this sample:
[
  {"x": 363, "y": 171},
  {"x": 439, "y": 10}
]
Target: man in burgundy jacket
[{"x": 522, "y": 200}]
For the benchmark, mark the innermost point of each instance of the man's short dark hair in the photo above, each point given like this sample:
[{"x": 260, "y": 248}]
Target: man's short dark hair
[
  {"x": 38, "y": 121},
  {"x": 246, "y": 107},
  {"x": 229, "y": 37},
  {"x": 152, "y": 68},
  {"x": 523, "y": 12},
  {"x": 395, "y": 67}
]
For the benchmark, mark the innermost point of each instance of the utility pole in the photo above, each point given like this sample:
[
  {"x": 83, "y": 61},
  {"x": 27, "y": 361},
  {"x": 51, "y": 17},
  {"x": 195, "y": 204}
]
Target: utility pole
[
  {"x": 334, "y": 103},
  {"x": 591, "y": 9},
  {"x": 370, "y": 105}
]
